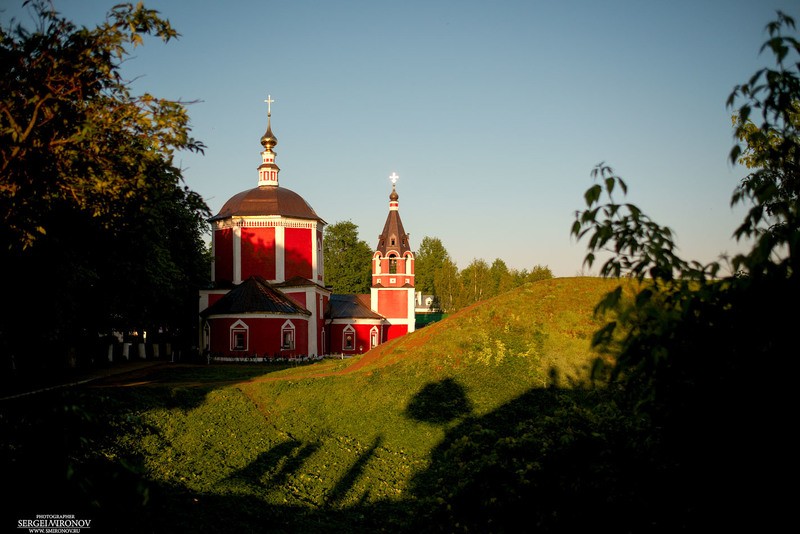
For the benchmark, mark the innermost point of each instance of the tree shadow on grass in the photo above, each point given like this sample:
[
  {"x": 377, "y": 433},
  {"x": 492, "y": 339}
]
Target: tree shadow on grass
[
  {"x": 439, "y": 403},
  {"x": 467, "y": 470},
  {"x": 552, "y": 460},
  {"x": 346, "y": 483},
  {"x": 274, "y": 467},
  {"x": 498, "y": 472}
]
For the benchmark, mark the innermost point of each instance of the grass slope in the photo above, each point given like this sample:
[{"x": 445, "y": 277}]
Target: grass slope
[{"x": 376, "y": 442}]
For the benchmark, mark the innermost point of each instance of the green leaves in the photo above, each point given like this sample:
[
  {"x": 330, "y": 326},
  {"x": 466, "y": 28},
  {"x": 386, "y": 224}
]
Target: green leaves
[
  {"x": 428, "y": 261},
  {"x": 89, "y": 194},
  {"x": 770, "y": 150},
  {"x": 592, "y": 194},
  {"x": 348, "y": 259},
  {"x": 636, "y": 245},
  {"x": 67, "y": 118},
  {"x": 692, "y": 351}
]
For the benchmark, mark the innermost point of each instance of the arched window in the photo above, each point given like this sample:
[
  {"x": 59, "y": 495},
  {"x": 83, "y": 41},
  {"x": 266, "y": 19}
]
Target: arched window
[
  {"x": 287, "y": 336},
  {"x": 206, "y": 336},
  {"x": 239, "y": 336},
  {"x": 373, "y": 337},
  {"x": 348, "y": 338},
  {"x": 392, "y": 265}
]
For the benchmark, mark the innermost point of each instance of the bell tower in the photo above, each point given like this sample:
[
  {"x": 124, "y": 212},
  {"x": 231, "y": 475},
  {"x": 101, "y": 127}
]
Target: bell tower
[{"x": 392, "y": 292}]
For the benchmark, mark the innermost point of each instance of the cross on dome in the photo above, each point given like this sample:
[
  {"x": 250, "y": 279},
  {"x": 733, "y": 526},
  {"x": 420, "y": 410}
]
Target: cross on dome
[
  {"x": 394, "y": 177},
  {"x": 269, "y": 102}
]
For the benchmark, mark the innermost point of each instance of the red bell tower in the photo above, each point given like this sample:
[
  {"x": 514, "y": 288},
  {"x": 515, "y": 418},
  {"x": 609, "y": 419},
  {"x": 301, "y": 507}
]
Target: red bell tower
[{"x": 392, "y": 293}]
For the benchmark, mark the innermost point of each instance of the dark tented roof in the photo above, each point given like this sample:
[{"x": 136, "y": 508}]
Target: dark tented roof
[
  {"x": 254, "y": 295},
  {"x": 351, "y": 306},
  {"x": 394, "y": 237}
]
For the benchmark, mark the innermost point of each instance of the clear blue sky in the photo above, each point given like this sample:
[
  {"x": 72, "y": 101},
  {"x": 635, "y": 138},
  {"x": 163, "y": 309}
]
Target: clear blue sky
[{"x": 492, "y": 113}]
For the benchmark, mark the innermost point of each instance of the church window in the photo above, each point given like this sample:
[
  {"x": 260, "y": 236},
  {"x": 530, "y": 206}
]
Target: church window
[
  {"x": 287, "y": 336},
  {"x": 373, "y": 337},
  {"x": 392, "y": 265},
  {"x": 239, "y": 336},
  {"x": 206, "y": 336},
  {"x": 288, "y": 340},
  {"x": 348, "y": 338},
  {"x": 392, "y": 241}
]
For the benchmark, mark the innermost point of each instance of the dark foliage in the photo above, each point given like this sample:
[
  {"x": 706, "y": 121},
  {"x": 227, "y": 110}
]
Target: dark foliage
[
  {"x": 98, "y": 232},
  {"x": 700, "y": 359}
]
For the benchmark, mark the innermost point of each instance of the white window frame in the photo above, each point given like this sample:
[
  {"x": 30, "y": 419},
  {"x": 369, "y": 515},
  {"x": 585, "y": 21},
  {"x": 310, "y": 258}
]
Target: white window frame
[
  {"x": 374, "y": 337},
  {"x": 288, "y": 328},
  {"x": 240, "y": 327},
  {"x": 348, "y": 331}
]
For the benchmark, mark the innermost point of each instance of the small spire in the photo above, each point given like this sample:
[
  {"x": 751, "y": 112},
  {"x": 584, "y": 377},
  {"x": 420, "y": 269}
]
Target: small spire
[
  {"x": 268, "y": 140},
  {"x": 268, "y": 170},
  {"x": 393, "y": 196}
]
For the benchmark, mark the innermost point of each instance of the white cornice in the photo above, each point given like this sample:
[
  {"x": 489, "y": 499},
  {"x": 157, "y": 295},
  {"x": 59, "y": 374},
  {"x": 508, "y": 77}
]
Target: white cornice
[{"x": 272, "y": 221}]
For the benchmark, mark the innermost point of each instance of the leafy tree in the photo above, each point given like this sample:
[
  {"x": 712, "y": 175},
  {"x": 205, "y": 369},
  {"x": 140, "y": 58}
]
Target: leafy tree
[
  {"x": 692, "y": 350},
  {"x": 430, "y": 257},
  {"x": 756, "y": 141},
  {"x": 448, "y": 287},
  {"x": 348, "y": 260},
  {"x": 476, "y": 281},
  {"x": 539, "y": 272},
  {"x": 98, "y": 231},
  {"x": 501, "y": 278},
  {"x": 772, "y": 190},
  {"x": 72, "y": 133}
]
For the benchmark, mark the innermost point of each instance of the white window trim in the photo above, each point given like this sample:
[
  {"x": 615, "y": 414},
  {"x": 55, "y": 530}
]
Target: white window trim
[
  {"x": 239, "y": 326},
  {"x": 288, "y": 326},
  {"x": 374, "y": 337},
  {"x": 348, "y": 330}
]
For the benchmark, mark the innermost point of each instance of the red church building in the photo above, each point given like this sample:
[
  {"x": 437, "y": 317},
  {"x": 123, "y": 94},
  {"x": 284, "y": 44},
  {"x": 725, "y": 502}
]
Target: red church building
[{"x": 268, "y": 297}]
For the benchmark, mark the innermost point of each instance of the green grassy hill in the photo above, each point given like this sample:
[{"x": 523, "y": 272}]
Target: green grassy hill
[{"x": 400, "y": 438}]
